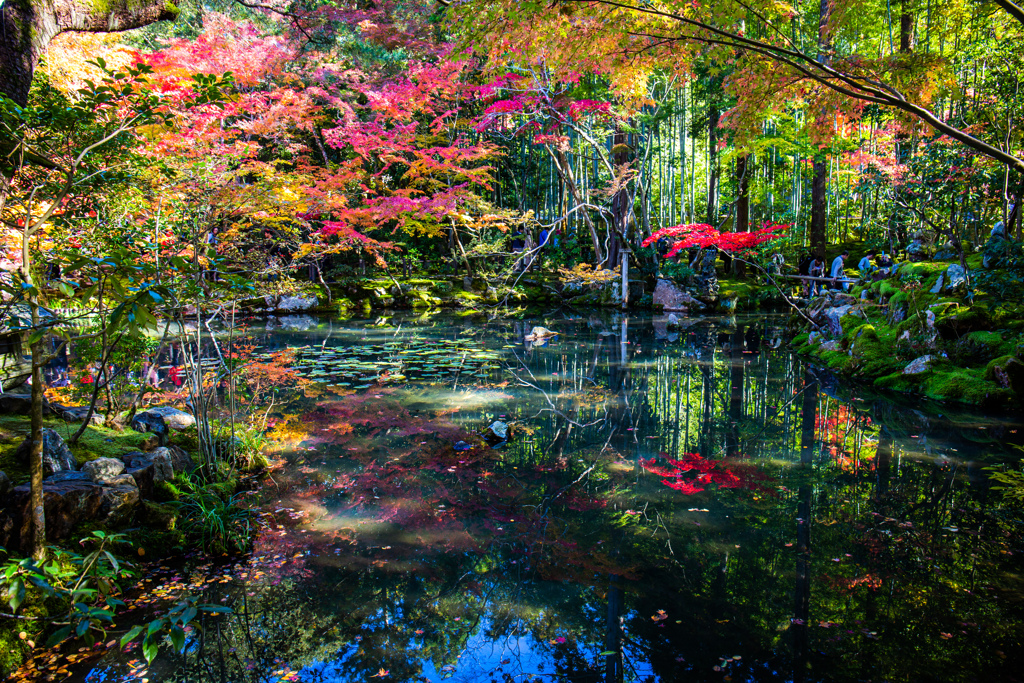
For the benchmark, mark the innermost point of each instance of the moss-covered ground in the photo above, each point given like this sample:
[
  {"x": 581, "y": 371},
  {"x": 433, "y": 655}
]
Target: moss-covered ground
[
  {"x": 975, "y": 341},
  {"x": 96, "y": 442}
]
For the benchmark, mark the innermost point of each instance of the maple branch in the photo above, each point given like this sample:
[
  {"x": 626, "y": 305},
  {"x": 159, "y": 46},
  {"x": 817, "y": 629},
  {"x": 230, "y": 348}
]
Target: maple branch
[
  {"x": 873, "y": 90},
  {"x": 1012, "y": 8}
]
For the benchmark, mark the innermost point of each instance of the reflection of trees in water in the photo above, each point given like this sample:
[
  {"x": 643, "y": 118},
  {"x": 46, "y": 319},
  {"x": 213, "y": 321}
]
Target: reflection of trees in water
[{"x": 837, "y": 570}]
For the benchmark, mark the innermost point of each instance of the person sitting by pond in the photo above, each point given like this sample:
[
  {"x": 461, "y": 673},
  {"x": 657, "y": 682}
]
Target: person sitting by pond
[
  {"x": 837, "y": 272},
  {"x": 865, "y": 266}
]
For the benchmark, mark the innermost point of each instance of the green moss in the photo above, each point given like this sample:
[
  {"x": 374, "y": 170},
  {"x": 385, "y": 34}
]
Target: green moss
[
  {"x": 965, "y": 385},
  {"x": 993, "y": 340},
  {"x": 1006, "y": 370},
  {"x": 962, "y": 322},
  {"x": 887, "y": 289},
  {"x": 837, "y": 360},
  {"x": 96, "y": 442}
]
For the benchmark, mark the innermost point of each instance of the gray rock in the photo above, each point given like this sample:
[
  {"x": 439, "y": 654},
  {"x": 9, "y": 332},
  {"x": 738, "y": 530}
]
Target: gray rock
[
  {"x": 918, "y": 365},
  {"x": 290, "y": 304},
  {"x": 120, "y": 480},
  {"x": 66, "y": 505},
  {"x": 78, "y": 413},
  {"x": 707, "y": 280},
  {"x": 6, "y": 486},
  {"x": 673, "y": 298},
  {"x": 180, "y": 460},
  {"x": 673, "y": 321},
  {"x": 830, "y": 318},
  {"x": 143, "y": 478},
  {"x": 68, "y": 475},
  {"x": 56, "y": 455},
  {"x": 153, "y": 423},
  {"x": 15, "y": 404},
  {"x": 937, "y": 287},
  {"x": 929, "y": 319},
  {"x": 118, "y": 504},
  {"x": 830, "y": 346},
  {"x": 956, "y": 276},
  {"x": 103, "y": 468},
  {"x": 173, "y": 418},
  {"x": 813, "y": 337},
  {"x": 159, "y": 461},
  {"x": 499, "y": 430}
]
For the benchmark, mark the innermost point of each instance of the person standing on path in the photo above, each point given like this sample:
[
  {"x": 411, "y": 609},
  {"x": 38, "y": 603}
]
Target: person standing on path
[{"x": 837, "y": 268}]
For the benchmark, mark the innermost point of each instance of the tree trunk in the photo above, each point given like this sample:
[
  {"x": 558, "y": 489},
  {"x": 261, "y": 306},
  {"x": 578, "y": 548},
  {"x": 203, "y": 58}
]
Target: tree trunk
[
  {"x": 620, "y": 202},
  {"x": 36, "y": 500},
  {"x": 713, "y": 116},
  {"x": 906, "y": 29},
  {"x": 742, "y": 206},
  {"x": 819, "y": 207},
  {"x": 28, "y": 26}
]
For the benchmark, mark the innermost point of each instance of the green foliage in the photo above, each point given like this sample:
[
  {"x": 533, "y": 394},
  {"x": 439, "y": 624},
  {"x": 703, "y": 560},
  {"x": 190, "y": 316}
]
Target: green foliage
[
  {"x": 680, "y": 272},
  {"x": 214, "y": 519},
  {"x": 1009, "y": 483},
  {"x": 1005, "y": 281},
  {"x": 85, "y": 585}
]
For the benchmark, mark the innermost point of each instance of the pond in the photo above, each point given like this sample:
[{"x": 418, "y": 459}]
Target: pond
[{"x": 671, "y": 504}]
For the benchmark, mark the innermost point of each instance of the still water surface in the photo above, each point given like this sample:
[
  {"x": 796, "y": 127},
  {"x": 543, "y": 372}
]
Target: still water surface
[{"x": 691, "y": 505}]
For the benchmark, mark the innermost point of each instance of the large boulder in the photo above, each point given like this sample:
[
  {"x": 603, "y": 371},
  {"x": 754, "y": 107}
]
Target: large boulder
[
  {"x": 290, "y": 304},
  {"x": 68, "y": 475},
  {"x": 180, "y": 459},
  {"x": 152, "y": 423},
  {"x": 828, "y": 318},
  {"x": 103, "y": 469},
  {"x": 159, "y": 460},
  {"x": 118, "y": 503},
  {"x": 15, "y": 404},
  {"x": 6, "y": 486},
  {"x": 1007, "y": 372},
  {"x": 67, "y": 504},
  {"x": 956, "y": 276},
  {"x": 173, "y": 418},
  {"x": 672, "y": 298},
  {"x": 57, "y": 456},
  {"x": 919, "y": 365}
]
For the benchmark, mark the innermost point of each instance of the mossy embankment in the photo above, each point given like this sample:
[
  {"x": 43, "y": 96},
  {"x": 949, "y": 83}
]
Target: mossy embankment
[
  {"x": 95, "y": 442},
  {"x": 362, "y": 296},
  {"x": 915, "y": 333}
]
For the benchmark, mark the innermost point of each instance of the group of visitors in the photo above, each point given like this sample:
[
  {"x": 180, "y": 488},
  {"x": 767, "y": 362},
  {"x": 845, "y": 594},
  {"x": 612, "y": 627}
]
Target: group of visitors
[{"x": 871, "y": 265}]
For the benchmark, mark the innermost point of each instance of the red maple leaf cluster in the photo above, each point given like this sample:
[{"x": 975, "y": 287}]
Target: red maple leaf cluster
[
  {"x": 692, "y": 473},
  {"x": 703, "y": 235}
]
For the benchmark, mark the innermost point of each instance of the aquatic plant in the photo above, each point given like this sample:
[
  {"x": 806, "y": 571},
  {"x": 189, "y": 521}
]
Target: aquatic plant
[{"x": 213, "y": 519}]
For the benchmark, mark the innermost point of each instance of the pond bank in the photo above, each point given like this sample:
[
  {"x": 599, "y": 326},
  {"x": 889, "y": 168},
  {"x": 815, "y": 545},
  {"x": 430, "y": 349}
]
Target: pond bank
[
  {"x": 919, "y": 333},
  {"x": 364, "y": 296}
]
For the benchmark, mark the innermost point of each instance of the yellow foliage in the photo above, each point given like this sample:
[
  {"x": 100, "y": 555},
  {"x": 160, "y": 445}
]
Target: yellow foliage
[
  {"x": 66, "y": 56},
  {"x": 585, "y": 274}
]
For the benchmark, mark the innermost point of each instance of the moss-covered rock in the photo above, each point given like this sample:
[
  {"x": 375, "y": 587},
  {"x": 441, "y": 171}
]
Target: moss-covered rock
[
  {"x": 1007, "y": 372},
  {"x": 963, "y": 321}
]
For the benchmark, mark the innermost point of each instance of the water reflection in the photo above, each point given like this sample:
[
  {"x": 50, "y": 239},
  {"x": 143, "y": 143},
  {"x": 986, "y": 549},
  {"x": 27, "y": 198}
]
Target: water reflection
[{"x": 687, "y": 507}]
